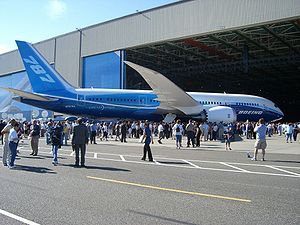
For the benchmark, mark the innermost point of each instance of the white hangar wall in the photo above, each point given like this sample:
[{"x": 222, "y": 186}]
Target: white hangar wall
[
  {"x": 184, "y": 20},
  {"x": 67, "y": 57},
  {"x": 171, "y": 22}
]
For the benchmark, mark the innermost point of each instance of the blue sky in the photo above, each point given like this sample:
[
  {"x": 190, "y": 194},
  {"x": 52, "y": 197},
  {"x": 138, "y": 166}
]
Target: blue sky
[{"x": 38, "y": 20}]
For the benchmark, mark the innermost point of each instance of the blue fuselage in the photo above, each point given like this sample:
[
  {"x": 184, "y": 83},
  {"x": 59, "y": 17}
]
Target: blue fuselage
[{"x": 141, "y": 105}]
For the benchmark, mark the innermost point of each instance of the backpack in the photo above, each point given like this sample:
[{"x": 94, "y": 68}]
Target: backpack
[{"x": 178, "y": 129}]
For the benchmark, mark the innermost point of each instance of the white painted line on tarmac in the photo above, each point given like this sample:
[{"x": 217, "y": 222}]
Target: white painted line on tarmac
[
  {"x": 289, "y": 167},
  {"x": 13, "y": 216},
  {"x": 193, "y": 167},
  {"x": 122, "y": 158},
  {"x": 190, "y": 160},
  {"x": 95, "y": 155},
  {"x": 192, "y": 164},
  {"x": 272, "y": 167},
  {"x": 235, "y": 167}
]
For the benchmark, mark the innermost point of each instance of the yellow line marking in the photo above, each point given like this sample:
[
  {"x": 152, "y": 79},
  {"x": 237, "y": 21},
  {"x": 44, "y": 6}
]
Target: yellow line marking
[{"x": 170, "y": 189}]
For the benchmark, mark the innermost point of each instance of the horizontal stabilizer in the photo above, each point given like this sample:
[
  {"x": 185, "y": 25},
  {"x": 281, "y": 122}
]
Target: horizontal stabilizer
[
  {"x": 29, "y": 95},
  {"x": 169, "y": 94}
]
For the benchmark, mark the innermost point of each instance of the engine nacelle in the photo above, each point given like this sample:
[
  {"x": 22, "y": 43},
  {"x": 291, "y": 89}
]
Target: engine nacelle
[{"x": 221, "y": 114}]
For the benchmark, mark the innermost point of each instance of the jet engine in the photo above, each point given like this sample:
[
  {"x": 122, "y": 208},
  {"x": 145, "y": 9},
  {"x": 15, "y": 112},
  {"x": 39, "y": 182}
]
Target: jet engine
[{"x": 221, "y": 113}]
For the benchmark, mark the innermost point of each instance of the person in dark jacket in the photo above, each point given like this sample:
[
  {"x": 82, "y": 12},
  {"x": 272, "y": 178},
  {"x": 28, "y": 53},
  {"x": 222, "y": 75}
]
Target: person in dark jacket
[
  {"x": 148, "y": 137},
  {"x": 295, "y": 132},
  {"x": 79, "y": 141},
  {"x": 2, "y": 125},
  {"x": 55, "y": 141},
  {"x": 34, "y": 138},
  {"x": 123, "y": 131}
]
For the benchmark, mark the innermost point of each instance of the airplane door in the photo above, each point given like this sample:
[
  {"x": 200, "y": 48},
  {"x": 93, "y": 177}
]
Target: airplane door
[
  {"x": 142, "y": 100},
  {"x": 80, "y": 97}
]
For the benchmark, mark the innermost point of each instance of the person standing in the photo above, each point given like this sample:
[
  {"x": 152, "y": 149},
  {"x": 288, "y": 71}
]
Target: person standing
[
  {"x": 190, "y": 129},
  {"x": 65, "y": 133},
  {"x": 260, "y": 142},
  {"x": 55, "y": 141},
  {"x": 198, "y": 134},
  {"x": 214, "y": 131},
  {"x": 34, "y": 138},
  {"x": 133, "y": 130},
  {"x": 48, "y": 132},
  {"x": 227, "y": 136},
  {"x": 123, "y": 131},
  {"x": 105, "y": 131},
  {"x": 178, "y": 131},
  {"x": 279, "y": 129},
  {"x": 79, "y": 140},
  {"x": 160, "y": 130},
  {"x": 13, "y": 142},
  {"x": 2, "y": 125},
  {"x": 148, "y": 139},
  {"x": 5, "y": 133},
  {"x": 93, "y": 128},
  {"x": 110, "y": 130},
  {"x": 117, "y": 131},
  {"x": 295, "y": 132},
  {"x": 204, "y": 131},
  {"x": 289, "y": 132}
]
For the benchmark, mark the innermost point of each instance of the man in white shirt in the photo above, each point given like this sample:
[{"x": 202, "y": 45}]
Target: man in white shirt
[
  {"x": 5, "y": 133},
  {"x": 178, "y": 131},
  {"x": 13, "y": 141},
  {"x": 289, "y": 132},
  {"x": 205, "y": 131},
  {"x": 160, "y": 130}
]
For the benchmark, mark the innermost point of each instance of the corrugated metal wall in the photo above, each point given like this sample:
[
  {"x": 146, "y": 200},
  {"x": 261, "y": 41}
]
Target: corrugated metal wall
[
  {"x": 46, "y": 48},
  {"x": 184, "y": 19},
  {"x": 67, "y": 57},
  {"x": 10, "y": 62}
]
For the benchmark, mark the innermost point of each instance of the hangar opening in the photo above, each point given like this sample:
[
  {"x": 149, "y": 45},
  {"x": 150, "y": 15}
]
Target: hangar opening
[{"x": 259, "y": 60}]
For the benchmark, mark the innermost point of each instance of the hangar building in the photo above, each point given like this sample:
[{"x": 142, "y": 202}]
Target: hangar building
[{"x": 233, "y": 46}]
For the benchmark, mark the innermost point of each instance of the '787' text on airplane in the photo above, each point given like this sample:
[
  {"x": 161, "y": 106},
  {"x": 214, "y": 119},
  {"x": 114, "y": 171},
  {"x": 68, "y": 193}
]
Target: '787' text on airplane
[{"x": 166, "y": 100}]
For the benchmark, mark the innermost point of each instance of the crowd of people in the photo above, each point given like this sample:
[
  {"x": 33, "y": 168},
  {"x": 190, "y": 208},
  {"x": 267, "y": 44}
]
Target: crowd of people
[{"x": 59, "y": 133}]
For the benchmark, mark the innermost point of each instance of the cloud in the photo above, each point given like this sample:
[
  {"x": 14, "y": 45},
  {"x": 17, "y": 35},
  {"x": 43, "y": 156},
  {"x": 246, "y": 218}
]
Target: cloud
[{"x": 56, "y": 8}]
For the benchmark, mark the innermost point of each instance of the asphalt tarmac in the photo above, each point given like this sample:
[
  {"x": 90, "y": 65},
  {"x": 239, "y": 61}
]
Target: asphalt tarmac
[{"x": 205, "y": 185}]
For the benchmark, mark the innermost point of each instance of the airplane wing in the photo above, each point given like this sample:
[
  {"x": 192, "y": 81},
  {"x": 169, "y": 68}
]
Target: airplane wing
[
  {"x": 171, "y": 96},
  {"x": 29, "y": 95}
]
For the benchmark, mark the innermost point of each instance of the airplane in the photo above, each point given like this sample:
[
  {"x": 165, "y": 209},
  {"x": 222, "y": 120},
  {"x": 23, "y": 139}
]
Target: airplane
[{"x": 166, "y": 101}]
